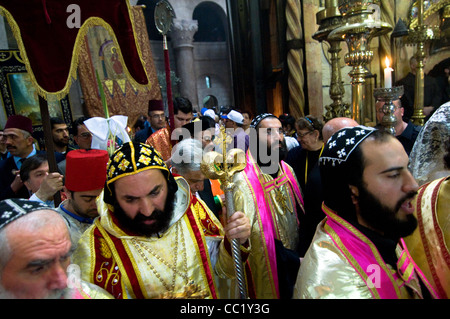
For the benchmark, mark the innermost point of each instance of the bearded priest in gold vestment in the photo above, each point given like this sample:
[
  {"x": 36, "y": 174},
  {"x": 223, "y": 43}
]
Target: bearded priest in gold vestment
[
  {"x": 267, "y": 192},
  {"x": 153, "y": 238},
  {"x": 358, "y": 251}
]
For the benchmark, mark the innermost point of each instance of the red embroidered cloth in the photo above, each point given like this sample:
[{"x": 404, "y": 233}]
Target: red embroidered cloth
[{"x": 49, "y": 43}]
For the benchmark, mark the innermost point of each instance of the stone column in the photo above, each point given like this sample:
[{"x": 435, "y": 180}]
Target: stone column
[
  {"x": 313, "y": 50},
  {"x": 182, "y": 38}
]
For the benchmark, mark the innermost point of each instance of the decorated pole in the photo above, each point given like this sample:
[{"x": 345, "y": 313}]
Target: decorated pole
[
  {"x": 163, "y": 21},
  {"x": 223, "y": 167}
]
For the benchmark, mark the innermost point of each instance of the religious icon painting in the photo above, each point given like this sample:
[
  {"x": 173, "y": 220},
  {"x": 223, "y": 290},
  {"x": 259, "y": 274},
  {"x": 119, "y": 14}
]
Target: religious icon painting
[{"x": 19, "y": 96}]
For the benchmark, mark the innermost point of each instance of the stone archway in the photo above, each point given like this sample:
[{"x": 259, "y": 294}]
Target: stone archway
[
  {"x": 212, "y": 23},
  {"x": 212, "y": 52},
  {"x": 210, "y": 102}
]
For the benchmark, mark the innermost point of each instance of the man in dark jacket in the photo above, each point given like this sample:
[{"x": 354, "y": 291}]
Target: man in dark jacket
[
  {"x": 19, "y": 141},
  {"x": 432, "y": 93}
]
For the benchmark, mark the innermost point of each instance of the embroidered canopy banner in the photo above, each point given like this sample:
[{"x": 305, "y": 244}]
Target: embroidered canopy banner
[
  {"x": 98, "y": 55},
  {"x": 50, "y": 46},
  {"x": 19, "y": 95}
]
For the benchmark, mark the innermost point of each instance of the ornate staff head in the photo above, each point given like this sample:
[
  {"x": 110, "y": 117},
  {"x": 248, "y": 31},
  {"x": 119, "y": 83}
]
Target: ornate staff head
[
  {"x": 223, "y": 166},
  {"x": 163, "y": 17}
]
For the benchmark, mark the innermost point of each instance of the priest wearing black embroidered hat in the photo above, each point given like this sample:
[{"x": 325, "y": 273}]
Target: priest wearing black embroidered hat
[
  {"x": 358, "y": 251},
  {"x": 153, "y": 239}
]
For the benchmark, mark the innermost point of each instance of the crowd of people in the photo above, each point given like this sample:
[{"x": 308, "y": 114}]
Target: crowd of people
[{"x": 319, "y": 210}]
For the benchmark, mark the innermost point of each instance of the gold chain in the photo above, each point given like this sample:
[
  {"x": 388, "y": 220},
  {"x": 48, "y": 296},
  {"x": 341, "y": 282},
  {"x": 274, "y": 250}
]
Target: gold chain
[{"x": 175, "y": 262}]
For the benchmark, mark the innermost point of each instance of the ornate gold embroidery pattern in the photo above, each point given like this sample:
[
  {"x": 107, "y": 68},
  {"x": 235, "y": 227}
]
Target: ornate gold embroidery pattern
[
  {"x": 113, "y": 272},
  {"x": 104, "y": 249},
  {"x": 282, "y": 200},
  {"x": 200, "y": 212},
  {"x": 111, "y": 171},
  {"x": 144, "y": 159},
  {"x": 104, "y": 270},
  {"x": 124, "y": 164},
  {"x": 118, "y": 156}
]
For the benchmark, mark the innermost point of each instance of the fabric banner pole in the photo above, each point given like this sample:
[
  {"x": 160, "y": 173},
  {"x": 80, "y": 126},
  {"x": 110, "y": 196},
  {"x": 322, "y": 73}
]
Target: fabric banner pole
[{"x": 43, "y": 105}]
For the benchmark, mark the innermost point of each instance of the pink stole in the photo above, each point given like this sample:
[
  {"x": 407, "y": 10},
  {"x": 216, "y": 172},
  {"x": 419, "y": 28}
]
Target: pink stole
[
  {"x": 261, "y": 200},
  {"x": 365, "y": 258},
  {"x": 294, "y": 183}
]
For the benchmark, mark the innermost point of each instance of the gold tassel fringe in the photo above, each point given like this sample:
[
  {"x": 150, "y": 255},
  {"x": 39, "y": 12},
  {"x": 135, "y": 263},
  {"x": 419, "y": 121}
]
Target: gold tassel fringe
[{"x": 79, "y": 41}]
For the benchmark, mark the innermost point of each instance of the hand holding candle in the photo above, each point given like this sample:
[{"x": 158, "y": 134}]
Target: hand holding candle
[{"x": 388, "y": 74}]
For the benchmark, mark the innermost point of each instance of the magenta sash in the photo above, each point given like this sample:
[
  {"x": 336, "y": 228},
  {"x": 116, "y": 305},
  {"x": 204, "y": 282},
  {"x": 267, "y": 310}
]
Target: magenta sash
[
  {"x": 294, "y": 184},
  {"x": 261, "y": 201},
  {"x": 363, "y": 257},
  {"x": 264, "y": 219}
]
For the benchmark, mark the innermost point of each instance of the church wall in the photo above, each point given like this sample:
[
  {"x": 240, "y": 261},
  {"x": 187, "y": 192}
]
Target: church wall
[
  {"x": 211, "y": 59},
  {"x": 185, "y": 8},
  {"x": 314, "y": 76}
]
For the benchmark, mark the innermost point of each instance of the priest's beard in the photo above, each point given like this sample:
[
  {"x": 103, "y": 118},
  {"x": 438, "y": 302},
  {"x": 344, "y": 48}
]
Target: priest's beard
[
  {"x": 269, "y": 161},
  {"x": 61, "y": 143},
  {"x": 136, "y": 225},
  {"x": 282, "y": 151},
  {"x": 383, "y": 218}
]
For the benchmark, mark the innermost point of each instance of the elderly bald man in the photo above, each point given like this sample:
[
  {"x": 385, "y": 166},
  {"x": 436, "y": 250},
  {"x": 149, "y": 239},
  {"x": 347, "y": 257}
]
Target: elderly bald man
[{"x": 334, "y": 125}]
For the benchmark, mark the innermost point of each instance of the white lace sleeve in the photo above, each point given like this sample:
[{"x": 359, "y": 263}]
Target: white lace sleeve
[{"x": 427, "y": 155}]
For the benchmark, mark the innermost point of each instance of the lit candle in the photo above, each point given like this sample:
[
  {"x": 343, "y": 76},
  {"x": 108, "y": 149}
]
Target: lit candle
[{"x": 388, "y": 74}]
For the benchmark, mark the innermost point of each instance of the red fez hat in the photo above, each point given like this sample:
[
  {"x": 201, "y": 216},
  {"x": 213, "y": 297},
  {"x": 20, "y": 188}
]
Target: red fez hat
[
  {"x": 86, "y": 169},
  {"x": 20, "y": 122},
  {"x": 155, "y": 105}
]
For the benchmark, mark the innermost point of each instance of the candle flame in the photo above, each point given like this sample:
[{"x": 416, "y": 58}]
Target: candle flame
[{"x": 387, "y": 61}]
